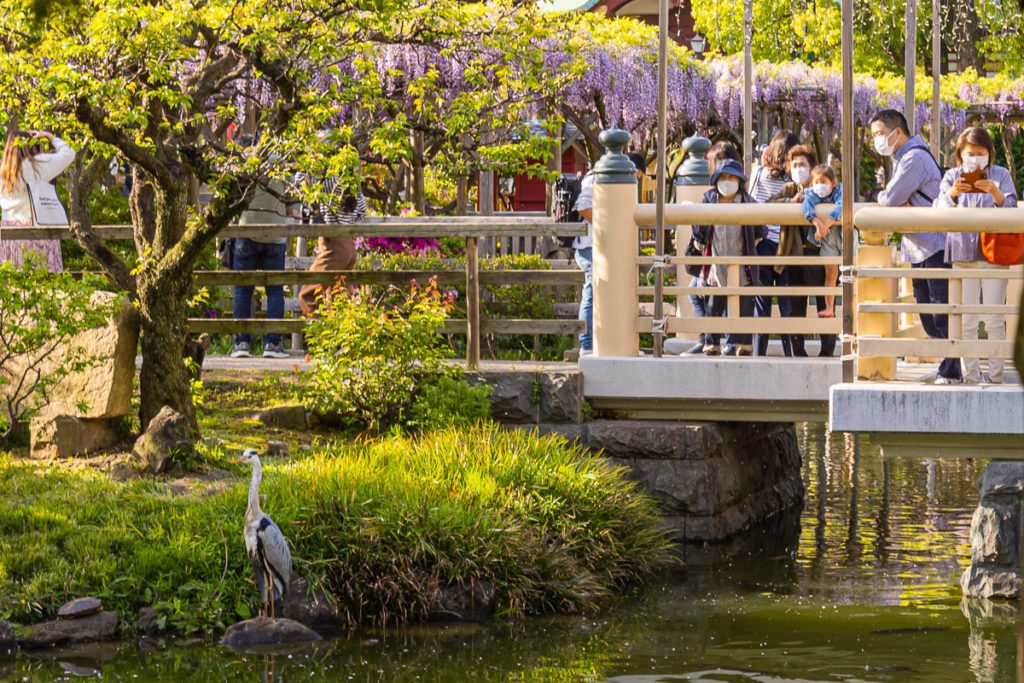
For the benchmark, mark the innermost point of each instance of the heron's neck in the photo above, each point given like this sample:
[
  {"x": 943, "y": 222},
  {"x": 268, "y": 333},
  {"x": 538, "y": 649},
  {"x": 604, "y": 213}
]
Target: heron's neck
[{"x": 254, "y": 489}]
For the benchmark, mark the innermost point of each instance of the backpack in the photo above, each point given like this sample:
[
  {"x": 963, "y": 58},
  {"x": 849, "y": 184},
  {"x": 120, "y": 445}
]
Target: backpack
[
  {"x": 567, "y": 191},
  {"x": 1002, "y": 249}
]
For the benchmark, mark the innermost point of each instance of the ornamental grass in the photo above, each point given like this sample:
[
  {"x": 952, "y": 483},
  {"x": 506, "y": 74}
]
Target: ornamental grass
[{"x": 381, "y": 526}]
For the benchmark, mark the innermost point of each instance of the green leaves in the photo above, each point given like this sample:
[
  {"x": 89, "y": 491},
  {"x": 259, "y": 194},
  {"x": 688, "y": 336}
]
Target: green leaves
[{"x": 40, "y": 315}]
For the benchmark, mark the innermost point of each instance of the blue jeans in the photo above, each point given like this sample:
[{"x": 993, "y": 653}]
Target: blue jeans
[
  {"x": 584, "y": 259},
  {"x": 700, "y": 303},
  {"x": 937, "y": 326},
  {"x": 250, "y": 255},
  {"x": 763, "y": 304}
]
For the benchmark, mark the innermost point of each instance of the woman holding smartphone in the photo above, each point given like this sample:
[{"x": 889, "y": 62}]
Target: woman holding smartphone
[{"x": 977, "y": 182}]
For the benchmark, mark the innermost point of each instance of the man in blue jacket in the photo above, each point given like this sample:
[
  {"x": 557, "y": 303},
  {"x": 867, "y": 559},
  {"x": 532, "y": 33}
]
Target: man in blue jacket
[{"x": 915, "y": 182}]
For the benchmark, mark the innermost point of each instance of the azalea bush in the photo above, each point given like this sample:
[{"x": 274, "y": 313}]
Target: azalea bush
[{"x": 374, "y": 352}]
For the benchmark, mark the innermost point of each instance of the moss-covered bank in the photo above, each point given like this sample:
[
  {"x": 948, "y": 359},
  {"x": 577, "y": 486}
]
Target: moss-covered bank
[{"x": 380, "y": 526}]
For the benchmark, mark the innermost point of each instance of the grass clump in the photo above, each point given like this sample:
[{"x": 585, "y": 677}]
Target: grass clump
[{"x": 382, "y": 527}]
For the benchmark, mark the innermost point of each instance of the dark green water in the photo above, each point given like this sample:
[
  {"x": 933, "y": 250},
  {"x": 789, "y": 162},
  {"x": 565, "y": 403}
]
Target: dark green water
[{"x": 860, "y": 586}]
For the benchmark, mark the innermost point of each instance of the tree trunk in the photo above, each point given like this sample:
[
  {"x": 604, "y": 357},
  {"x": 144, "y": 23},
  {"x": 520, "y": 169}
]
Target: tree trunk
[
  {"x": 967, "y": 31},
  {"x": 163, "y": 380}
]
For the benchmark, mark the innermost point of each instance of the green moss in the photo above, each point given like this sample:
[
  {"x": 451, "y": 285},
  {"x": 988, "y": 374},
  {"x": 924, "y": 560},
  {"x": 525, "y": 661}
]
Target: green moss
[{"x": 379, "y": 525}]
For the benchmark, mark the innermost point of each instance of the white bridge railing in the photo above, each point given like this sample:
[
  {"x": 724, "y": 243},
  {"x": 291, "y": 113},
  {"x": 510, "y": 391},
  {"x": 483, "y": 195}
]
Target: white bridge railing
[{"x": 882, "y": 327}]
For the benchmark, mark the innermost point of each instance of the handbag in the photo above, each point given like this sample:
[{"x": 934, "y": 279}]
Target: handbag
[
  {"x": 46, "y": 206},
  {"x": 1002, "y": 249},
  {"x": 694, "y": 248}
]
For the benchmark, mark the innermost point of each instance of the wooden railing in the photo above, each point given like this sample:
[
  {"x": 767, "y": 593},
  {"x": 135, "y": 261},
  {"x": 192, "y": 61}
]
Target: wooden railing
[{"x": 471, "y": 228}]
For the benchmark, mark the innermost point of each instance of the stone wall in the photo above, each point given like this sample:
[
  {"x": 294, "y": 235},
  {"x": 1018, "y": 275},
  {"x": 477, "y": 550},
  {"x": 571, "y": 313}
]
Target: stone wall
[
  {"x": 712, "y": 479},
  {"x": 995, "y": 570}
]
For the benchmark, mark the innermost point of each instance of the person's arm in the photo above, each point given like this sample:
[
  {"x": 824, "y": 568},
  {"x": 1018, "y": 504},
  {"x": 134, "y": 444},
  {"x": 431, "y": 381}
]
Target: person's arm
[
  {"x": 810, "y": 201},
  {"x": 49, "y": 165},
  {"x": 837, "y": 212},
  {"x": 788, "y": 191},
  {"x": 949, "y": 193},
  {"x": 907, "y": 178},
  {"x": 585, "y": 202}
]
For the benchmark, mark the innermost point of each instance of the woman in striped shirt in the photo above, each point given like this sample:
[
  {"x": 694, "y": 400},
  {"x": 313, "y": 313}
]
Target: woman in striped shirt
[
  {"x": 769, "y": 179},
  {"x": 332, "y": 253}
]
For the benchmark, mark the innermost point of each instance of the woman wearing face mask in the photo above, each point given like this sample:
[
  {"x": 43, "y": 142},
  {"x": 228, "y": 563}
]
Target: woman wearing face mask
[
  {"x": 729, "y": 240},
  {"x": 975, "y": 151},
  {"x": 793, "y": 242}
]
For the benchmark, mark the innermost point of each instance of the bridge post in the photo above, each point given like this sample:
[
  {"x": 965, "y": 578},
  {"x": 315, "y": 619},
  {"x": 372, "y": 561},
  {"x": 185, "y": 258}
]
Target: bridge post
[
  {"x": 875, "y": 253},
  {"x": 616, "y": 246}
]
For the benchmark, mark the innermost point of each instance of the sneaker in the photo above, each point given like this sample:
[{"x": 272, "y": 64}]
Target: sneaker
[
  {"x": 712, "y": 350},
  {"x": 241, "y": 350},
  {"x": 744, "y": 350},
  {"x": 586, "y": 352},
  {"x": 274, "y": 351},
  {"x": 729, "y": 351},
  {"x": 696, "y": 348},
  {"x": 947, "y": 380}
]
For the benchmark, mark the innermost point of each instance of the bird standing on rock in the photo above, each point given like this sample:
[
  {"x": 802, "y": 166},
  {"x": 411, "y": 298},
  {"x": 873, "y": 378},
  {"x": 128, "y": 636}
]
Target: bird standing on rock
[{"x": 266, "y": 545}]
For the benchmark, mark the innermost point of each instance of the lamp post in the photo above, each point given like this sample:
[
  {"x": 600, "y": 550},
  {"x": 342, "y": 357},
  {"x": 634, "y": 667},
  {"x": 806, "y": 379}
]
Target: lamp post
[
  {"x": 910, "y": 66},
  {"x": 659, "y": 194},
  {"x": 936, "y": 135}
]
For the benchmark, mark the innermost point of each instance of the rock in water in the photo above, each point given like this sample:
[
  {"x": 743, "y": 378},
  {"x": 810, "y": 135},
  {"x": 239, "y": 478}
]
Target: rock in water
[
  {"x": 471, "y": 601},
  {"x": 88, "y": 629},
  {"x": 307, "y": 608},
  {"x": 80, "y": 607},
  {"x": 8, "y": 643},
  {"x": 167, "y": 435},
  {"x": 267, "y": 631}
]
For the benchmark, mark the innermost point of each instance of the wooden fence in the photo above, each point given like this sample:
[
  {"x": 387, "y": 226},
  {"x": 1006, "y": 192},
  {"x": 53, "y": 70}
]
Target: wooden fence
[{"x": 470, "y": 228}]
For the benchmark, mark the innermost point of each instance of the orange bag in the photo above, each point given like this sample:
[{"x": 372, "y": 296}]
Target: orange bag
[{"x": 1002, "y": 249}]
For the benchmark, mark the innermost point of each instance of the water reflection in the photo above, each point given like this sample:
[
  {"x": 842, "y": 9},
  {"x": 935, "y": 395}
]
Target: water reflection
[{"x": 859, "y": 585}]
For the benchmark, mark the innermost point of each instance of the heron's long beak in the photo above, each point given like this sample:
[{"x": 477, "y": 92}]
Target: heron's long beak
[{"x": 237, "y": 461}]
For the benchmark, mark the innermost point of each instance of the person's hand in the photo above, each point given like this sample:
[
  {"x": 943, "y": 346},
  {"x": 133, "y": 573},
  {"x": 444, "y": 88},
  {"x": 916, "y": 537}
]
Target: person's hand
[
  {"x": 799, "y": 198},
  {"x": 991, "y": 187},
  {"x": 960, "y": 187},
  {"x": 42, "y": 134},
  {"x": 821, "y": 229}
]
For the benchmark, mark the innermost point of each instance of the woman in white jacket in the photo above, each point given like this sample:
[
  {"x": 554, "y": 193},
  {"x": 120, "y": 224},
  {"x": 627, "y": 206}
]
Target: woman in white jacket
[{"x": 24, "y": 161}]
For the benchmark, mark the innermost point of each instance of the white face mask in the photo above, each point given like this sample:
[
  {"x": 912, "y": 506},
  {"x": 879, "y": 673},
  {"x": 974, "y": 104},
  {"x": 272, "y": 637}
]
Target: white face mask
[
  {"x": 822, "y": 189},
  {"x": 973, "y": 163},
  {"x": 882, "y": 145},
  {"x": 800, "y": 175},
  {"x": 727, "y": 188}
]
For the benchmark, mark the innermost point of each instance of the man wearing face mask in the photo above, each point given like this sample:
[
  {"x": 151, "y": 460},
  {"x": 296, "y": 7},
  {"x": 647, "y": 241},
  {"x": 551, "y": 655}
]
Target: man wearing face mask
[{"x": 915, "y": 182}]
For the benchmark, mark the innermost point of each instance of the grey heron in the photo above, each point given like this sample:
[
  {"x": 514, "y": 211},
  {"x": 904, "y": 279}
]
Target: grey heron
[{"x": 266, "y": 545}]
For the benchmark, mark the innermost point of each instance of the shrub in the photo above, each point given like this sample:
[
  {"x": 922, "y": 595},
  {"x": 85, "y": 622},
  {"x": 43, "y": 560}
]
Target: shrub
[
  {"x": 381, "y": 527},
  {"x": 40, "y": 313},
  {"x": 373, "y": 353},
  {"x": 447, "y": 401}
]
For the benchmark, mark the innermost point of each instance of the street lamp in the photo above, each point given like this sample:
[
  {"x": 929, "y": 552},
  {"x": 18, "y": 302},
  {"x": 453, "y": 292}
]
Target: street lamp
[{"x": 697, "y": 43}]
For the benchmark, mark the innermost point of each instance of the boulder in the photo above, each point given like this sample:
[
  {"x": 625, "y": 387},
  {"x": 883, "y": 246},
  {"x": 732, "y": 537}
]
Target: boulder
[
  {"x": 105, "y": 389},
  {"x": 8, "y": 641},
  {"x": 561, "y": 397},
  {"x": 655, "y": 439},
  {"x": 267, "y": 631},
  {"x": 515, "y": 396},
  {"x": 67, "y": 437},
  {"x": 306, "y": 607},
  {"x": 471, "y": 601},
  {"x": 100, "y": 626},
  {"x": 994, "y": 534},
  {"x": 979, "y": 581},
  {"x": 147, "y": 621},
  {"x": 80, "y": 607},
  {"x": 278, "y": 448},
  {"x": 168, "y": 435},
  {"x": 285, "y": 417}
]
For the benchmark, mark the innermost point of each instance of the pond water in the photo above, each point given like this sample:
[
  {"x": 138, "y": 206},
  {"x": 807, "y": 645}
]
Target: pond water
[{"x": 861, "y": 585}]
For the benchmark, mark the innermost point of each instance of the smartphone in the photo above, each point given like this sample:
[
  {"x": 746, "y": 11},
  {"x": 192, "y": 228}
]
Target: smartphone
[{"x": 973, "y": 177}]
